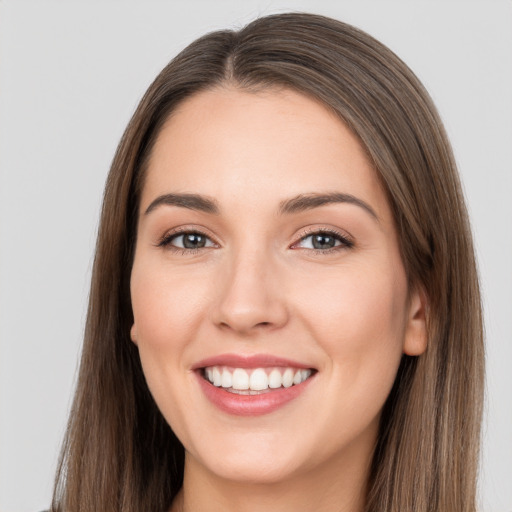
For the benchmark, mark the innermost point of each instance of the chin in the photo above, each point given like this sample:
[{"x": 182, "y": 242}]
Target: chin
[
  {"x": 258, "y": 456},
  {"x": 247, "y": 469}
]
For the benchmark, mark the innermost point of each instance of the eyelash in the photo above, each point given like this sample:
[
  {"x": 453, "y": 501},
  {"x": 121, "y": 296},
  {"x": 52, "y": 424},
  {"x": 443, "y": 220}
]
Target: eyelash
[
  {"x": 345, "y": 242},
  {"x": 166, "y": 240}
]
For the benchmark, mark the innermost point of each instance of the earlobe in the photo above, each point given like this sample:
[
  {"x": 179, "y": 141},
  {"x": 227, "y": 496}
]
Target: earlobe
[
  {"x": 133, "y": 334},
  {"x": 415, "y": 340}
]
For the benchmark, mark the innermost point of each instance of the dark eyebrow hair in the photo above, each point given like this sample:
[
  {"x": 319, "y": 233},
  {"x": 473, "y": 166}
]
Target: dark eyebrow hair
[
  {"x": 190, "y": 201},
  {"x": 304, "y": 202},
  {"x": 296, "y": 204}
]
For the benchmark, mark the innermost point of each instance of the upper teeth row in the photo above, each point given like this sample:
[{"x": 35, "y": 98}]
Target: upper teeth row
[{"x": 257, "y": 380}]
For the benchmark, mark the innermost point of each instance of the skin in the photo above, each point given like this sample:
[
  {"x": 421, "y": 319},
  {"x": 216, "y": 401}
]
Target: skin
[{"x": 259, "y": 287}]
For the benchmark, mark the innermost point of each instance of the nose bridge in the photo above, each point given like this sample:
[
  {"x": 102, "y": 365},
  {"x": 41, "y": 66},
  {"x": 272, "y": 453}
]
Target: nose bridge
[{"x": 251, "y": 296}]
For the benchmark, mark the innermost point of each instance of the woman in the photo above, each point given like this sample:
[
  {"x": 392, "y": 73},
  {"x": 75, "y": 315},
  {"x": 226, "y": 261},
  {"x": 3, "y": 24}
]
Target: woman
[{"x": 284, "y": 308}]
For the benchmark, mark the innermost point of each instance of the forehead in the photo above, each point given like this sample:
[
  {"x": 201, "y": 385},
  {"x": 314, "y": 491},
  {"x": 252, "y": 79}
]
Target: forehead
[{"x": 272, "y": 144}]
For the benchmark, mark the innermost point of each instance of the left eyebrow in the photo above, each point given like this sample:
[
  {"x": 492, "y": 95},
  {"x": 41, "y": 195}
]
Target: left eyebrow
[{"x": 304, "y": 202}]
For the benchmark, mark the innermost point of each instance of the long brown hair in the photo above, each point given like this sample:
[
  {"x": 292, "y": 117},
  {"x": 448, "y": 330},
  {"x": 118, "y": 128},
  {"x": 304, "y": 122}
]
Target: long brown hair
[{"x": 119, "y": 453}]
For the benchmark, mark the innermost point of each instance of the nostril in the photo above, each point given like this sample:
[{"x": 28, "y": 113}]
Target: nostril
[{"x": 245, "y": 327}]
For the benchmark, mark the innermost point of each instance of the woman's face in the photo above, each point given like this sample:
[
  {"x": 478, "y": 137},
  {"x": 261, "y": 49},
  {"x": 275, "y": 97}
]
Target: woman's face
[{"x": 270, "y": 301}]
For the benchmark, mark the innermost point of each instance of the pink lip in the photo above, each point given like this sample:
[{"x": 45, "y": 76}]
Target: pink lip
[
  {"x": 249, "y": 405},
  {"x": 248, "y": 361}
]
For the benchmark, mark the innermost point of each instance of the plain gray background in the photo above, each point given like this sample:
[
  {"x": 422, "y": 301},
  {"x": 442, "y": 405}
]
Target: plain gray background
[{"x": 71, "y": 74}]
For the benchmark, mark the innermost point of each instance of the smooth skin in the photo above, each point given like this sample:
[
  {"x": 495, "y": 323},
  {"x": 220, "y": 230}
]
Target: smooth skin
[{"x": 255, "y": 282}]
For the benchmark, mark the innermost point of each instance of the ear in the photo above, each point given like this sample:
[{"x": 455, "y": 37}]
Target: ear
[
  {"x": 133, "y": 333},
  {"x": 415, "y": 340}
]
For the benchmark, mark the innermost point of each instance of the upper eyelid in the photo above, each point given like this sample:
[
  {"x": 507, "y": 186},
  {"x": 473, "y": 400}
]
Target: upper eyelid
[
  {"x": 331, "y": 231},
  {"x": 166, "y": 242},
  {"x": 183, "y": 230}
]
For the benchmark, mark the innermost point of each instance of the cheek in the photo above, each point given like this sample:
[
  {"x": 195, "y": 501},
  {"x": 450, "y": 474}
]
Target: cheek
[
  {"x": 167, "y": 314},
  {"x": 358, "y": 316},
  {"x": 166, "y": 307}
]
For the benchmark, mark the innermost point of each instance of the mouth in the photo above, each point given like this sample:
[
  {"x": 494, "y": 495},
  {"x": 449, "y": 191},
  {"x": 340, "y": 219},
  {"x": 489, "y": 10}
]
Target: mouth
[
  {"x": 252, "y": 385},
  {"x": 255, "y": 381}
]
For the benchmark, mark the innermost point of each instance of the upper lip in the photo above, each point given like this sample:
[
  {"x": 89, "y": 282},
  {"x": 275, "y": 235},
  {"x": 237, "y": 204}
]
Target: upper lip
[{"x": 248, "y": 361}]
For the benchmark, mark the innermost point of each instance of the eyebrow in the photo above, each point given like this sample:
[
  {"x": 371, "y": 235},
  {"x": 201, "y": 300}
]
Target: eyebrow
[
  {"x": 296, "y": 204},
  {"x": 305, "y": 202},
  {"x": 190, "y": 201}
]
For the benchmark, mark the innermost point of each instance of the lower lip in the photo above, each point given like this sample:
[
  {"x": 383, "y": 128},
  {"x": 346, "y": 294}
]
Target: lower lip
[{"x": 250, "y": 405}]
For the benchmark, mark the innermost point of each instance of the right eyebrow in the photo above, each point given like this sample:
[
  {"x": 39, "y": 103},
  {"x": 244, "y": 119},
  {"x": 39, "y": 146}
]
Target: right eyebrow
[{"x": 190, "y": 201}]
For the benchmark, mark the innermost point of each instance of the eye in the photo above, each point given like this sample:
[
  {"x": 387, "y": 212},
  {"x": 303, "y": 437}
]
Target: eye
[
  {"x": 188, "y": 240},
  {"x": 324, "y": 241}
]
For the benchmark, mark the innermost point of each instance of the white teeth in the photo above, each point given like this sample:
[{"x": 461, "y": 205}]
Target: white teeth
[
  {"x": 227, "y": 379},
  {"x": 257, "y": 380},
  {"x": 275, "y": 380},
  {"x": 217, "y": 378},
  {"x": 240, "y": 379},
  {"x": 288, "y": 377}
]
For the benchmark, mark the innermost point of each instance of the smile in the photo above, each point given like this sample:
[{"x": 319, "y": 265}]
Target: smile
[
  {"x": 252, "y": 385},
  {"x": 255, "y": 381}
]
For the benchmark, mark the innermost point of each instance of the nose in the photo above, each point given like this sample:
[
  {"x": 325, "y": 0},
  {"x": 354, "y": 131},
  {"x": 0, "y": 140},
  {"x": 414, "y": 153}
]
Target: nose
[{"x": 251, "y": 295}]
